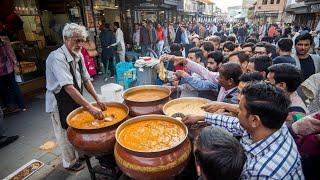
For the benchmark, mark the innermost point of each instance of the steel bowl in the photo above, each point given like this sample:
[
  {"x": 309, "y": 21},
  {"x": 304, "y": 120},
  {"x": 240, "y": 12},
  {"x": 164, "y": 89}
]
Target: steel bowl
[{"x": 182, "y": 100}]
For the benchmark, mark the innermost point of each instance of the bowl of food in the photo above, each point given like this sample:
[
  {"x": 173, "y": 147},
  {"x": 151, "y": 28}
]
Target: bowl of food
[
  {"x": 147, "y": 99},
  {"x": 185, "y": 106},
  {"x": 152, "y": 147},
  {"x": 92, "y": 136},
  {"x": 181, "y": 107}
]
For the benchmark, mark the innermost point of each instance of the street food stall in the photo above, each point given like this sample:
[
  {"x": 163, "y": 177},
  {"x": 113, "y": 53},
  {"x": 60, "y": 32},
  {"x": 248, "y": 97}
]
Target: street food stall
[{"x": 141, "y": 134}]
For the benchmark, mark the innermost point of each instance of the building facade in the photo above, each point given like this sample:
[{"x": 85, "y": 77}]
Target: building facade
[
  {"x": 246, "y": 4},
  {"x": 269, "y": 10},
  {"x": 314, "y": 15},
  {"x": 304, "y": 13},
  {"x": 233, "y": 12}
]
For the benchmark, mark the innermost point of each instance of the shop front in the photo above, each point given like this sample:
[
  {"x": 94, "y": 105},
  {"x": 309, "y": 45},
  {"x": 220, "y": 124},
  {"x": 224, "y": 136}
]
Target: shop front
[
  {"x": 188, "y": 11},
  {"x": 315, "y": 10},
  {"x": 157, "y": 11},
  {"x": 297, "y": 13},
  {"x": 41, "y": 32},
  {"x": 28, "y": 42},
  {"x": 42, "y": 28},
  {"x": 271, "y": 17}
]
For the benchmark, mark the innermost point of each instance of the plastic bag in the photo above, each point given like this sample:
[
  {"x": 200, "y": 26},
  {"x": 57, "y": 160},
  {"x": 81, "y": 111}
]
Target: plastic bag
[{"x": 162, "y": 71}]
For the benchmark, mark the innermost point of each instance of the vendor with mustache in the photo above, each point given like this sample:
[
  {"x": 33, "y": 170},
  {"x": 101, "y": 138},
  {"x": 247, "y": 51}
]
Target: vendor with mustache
[{"x": 65, "y": 77}]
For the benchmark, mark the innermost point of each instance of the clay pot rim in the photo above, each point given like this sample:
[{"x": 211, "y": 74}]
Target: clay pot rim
[
  {"x": 80, "y": 109},
  {"x": 137, "y": 88},
  {"x": 187, "y": 99},
  {"x": 148, "y": 117}
]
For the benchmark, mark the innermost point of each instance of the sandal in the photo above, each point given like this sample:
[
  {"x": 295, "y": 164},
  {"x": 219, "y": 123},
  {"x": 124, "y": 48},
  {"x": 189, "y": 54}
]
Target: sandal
[
  {"x": 76, "y": 167},
  {"x": 11, "y": 110}
]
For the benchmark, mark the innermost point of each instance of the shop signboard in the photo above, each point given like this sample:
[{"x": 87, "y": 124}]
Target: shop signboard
[
  {"x": 315, "y": 8},
  {"x": 171, "y": 2},
  {"x": 262, "y": 14}
]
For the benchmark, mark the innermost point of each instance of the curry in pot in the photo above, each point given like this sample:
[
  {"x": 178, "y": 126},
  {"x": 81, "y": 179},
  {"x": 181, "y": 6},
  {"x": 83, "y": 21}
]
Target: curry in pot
[
  {"x": 85, "y": 120},
  {"x": 146, "y": 95},
  {"x": 151, "y": 135}
]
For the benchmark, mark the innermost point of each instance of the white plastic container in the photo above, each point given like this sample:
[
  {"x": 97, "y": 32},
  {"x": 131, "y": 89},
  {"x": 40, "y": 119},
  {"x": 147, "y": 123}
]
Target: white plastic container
[{"x": 112, "y": 92}]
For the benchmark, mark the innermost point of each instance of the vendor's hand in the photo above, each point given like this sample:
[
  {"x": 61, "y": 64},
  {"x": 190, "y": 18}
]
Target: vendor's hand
[
  {"x": 213, "y": 107},
  {"x": 96, "y": 112},
  {"x": 221, "y": 111},
  {"x": 162, "y": 58},
  {"x": 101, "y": 105},
  {"x": 181, "y": 74},
  {"x": 179, "y": 61},
  {"x": 172, "y": 88},
  {"x": 166, "y": 57},
  {"x": 192, "y": 119}
]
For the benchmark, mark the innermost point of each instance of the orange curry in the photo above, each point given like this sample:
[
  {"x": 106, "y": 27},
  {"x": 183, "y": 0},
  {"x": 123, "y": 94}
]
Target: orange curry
[
  {"x": 151, "y": 135},
  {"x": 85, "y": 120},
  {"x": 146, "y": 95}
]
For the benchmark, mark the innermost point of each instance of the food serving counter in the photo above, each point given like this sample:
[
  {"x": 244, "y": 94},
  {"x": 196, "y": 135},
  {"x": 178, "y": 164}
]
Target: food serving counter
[{"x": 149, "y": 145}]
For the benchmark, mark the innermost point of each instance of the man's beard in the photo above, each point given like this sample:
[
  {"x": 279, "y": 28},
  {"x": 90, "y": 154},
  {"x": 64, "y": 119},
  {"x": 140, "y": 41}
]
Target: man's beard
[
  {"x": 212, "y": 70},
  {"x": 76, "y": 51},
  {"x": 301, "y": 54}
]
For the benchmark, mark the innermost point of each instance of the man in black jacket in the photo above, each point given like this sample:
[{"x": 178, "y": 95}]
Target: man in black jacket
[
  {"x": 107, "y": 38},
  {"x": 145, "y": 41},
  {"x": 178, "y": 34}
]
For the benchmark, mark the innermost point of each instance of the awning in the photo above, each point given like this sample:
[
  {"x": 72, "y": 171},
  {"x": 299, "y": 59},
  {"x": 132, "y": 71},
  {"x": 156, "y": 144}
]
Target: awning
[{"x": 297, "y": 8}]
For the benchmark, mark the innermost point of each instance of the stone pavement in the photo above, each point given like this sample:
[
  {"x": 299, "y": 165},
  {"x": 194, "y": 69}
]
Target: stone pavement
[{"x": 34, "y": 128}]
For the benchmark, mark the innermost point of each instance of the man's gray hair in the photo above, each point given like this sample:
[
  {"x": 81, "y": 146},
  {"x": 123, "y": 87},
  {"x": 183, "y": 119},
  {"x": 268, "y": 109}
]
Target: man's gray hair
[{"x": 70, "y": 29}]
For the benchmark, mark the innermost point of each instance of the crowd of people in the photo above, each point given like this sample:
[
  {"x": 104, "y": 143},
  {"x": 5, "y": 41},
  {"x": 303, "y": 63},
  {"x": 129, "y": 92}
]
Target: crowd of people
[
  {"x": 263, "y": 82},
  {"x": 265, "y": 92},
  {"x": 158, "y": 36}
]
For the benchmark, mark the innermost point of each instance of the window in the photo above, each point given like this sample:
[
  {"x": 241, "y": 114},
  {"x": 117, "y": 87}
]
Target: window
[
  {"x": 264, "y": 1},
  {"x": 278, "y": 1},
  {"x": 271, "y": 1}
]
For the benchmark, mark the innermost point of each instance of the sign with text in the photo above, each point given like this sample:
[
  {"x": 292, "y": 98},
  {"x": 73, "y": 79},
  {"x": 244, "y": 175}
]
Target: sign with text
[{"x": 315, "y": 8}]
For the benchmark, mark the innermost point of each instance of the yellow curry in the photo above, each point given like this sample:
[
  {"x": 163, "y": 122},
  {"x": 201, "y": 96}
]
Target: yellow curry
[
  {"x": 85, "y": 120},
  {"x": 151, "y": 135},
  {"x": 146, "y": 95}
]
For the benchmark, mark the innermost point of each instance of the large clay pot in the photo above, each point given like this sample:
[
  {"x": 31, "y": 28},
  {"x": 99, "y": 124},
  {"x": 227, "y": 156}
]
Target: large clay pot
[
  {"x": 148, "y": 107},
  {"x": 94, "y": 141},
  {"x": 162, "y": 165}
]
